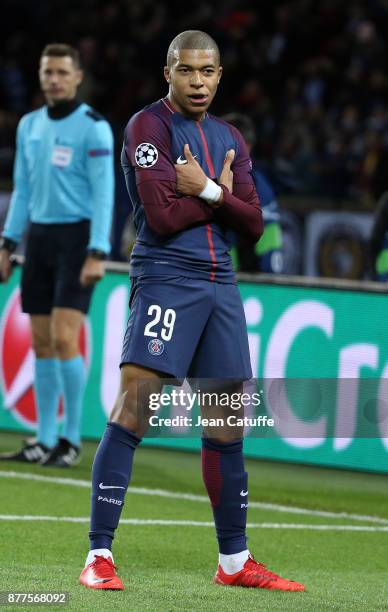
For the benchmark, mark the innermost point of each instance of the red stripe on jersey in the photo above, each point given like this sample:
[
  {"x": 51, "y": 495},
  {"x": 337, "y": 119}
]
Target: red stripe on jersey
[
  {"x": 208, "y": 227},
  {"x": 206, "y": 149},
  {"x": 211, "y": 251}
]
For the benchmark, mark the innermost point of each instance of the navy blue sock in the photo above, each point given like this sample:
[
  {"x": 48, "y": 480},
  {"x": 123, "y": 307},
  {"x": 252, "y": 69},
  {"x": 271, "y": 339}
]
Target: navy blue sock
[
  {"x": 226, "y": 482},
  {"x": 111, "y": 474}
]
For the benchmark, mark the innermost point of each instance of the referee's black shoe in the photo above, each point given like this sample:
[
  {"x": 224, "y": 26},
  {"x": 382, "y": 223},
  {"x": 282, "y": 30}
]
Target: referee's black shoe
[
  {"x": 64, "y": 454},
  {"x": 32, "y": 452}
]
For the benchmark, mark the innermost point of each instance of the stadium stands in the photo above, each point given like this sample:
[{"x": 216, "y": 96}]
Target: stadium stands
[{"x": 311, "y": 73}]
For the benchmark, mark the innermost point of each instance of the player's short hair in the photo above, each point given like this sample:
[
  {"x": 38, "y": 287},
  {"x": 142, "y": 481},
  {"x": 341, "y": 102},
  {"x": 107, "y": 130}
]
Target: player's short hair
[
  {"x": 192, "y": 39},
  {"x": 62, "y": 50},
  {"x": 244, "y": 124}
]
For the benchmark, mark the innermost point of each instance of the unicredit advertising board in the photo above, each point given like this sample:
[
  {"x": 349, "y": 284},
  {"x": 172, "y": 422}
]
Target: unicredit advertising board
[{"x": 320, "y": 358}]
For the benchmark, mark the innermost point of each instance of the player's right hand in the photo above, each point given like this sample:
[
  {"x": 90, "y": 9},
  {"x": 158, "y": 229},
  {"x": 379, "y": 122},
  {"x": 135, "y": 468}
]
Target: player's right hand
[
  {"x": 5, "y": 265},
  {"x": 190, "y": 178}
]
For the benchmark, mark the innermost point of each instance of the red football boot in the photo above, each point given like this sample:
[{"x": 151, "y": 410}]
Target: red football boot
[
  {"x": 256, "y": 575},
  {"x": 101, "y": 575}
]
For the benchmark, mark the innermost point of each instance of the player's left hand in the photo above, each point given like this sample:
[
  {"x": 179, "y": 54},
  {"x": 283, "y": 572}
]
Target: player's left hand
[
  {"x": 226, "y": 176},
  {"x": 191, "y": 179},
  {"x": 92, "y": 271}
]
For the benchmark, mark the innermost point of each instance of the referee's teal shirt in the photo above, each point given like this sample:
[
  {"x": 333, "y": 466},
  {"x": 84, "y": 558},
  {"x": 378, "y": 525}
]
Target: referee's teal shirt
[{"x": 63, "y": 173}]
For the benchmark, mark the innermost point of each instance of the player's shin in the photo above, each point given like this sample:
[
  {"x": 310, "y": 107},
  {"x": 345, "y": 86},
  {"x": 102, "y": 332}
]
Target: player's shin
[
  {"x": 111, "y": 474},
  {"x": 227, "y": 485}
]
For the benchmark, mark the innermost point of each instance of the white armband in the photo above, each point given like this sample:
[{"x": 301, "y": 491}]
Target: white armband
[{"x": 211, "y": 191}]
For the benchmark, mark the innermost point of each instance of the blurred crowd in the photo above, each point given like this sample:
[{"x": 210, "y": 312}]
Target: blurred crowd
[{"x": 311, "y": 73}]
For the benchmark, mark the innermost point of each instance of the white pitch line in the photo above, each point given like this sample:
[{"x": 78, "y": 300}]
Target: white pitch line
[
  {"x": 74, "y": 482},
  {"x": 71, "y": 482},
  {"x": 173, "y": 523}
]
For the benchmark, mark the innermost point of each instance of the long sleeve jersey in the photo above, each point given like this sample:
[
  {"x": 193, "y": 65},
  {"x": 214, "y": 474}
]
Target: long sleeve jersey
[
  {"x": 178, "y": 234},
  {"x": 63, "y": 173}
]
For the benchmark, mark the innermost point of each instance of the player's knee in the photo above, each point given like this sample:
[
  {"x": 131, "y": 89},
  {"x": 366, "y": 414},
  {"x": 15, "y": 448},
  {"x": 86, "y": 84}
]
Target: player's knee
[
  {"x": 127, "y": 412},
  {"x": 64, "y": 344},
  {"x": 43, "y": 347},
  {"x": 131, "y": 409}
]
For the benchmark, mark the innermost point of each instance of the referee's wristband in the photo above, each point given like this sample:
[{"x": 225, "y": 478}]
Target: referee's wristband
[
  {"x": 7, "y": 244},
  {"x": 211, "y": 191},
  {"x": 96, "y": 254}
]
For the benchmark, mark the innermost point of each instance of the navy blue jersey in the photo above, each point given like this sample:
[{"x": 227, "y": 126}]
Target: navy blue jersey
[{"x": 178, "y": 234}]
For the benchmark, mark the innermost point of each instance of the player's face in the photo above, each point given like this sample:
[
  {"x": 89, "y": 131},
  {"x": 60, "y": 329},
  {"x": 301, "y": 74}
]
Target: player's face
[
  {"x": 193, "y": 78},
  {"x": 59, "y": 78}
]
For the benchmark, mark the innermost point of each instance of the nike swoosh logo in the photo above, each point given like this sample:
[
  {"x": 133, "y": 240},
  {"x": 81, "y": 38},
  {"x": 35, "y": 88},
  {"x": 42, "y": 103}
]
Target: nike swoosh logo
[
  {"x": 243, "y": 493},
  {"x": 181, "y": 161},
  {"x": 102, "y": 486},
  {"x": 97, "y": 580}
]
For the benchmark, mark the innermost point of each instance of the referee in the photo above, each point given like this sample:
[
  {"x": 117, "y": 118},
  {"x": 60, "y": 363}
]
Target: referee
[{"x": 63, "y": 188}]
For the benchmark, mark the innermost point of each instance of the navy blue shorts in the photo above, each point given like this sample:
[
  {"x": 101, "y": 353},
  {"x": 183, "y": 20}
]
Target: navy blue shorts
[
  {"x": 185, "y": 327},
  {"x": 55, "y": 254}
]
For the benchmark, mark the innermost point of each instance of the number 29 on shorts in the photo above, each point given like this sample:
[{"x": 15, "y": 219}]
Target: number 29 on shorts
[{"x": 168, "y": 322}]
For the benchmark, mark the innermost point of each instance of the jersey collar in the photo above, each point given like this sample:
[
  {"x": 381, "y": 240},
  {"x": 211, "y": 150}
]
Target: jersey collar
[
  {"x": 63, "y": 109},
  {"x": 172, "y": 110}
]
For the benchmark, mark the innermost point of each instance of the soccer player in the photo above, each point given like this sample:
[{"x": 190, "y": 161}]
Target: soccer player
[
  {"x": 63, "y": 187},
  {"x": 186, "y": 314},
  {"x": 266, "y": 255}
]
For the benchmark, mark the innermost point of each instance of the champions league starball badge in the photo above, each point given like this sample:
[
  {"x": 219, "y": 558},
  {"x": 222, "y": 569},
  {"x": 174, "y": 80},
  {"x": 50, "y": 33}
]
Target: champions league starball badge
[
  {"x": 146, "y": 155},
  {"x": 155, "y": 346}
]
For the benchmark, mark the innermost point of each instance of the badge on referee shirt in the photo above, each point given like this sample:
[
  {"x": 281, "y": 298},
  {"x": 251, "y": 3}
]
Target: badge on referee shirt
[{"x": 61, "y": 156}]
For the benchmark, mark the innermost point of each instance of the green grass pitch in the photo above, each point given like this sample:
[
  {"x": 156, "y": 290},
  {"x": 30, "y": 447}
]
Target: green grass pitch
[{"x": 344, "y": 564}]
